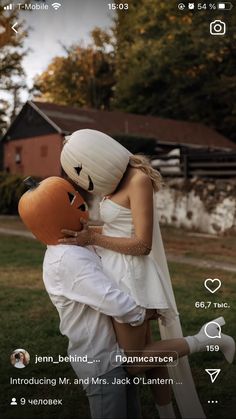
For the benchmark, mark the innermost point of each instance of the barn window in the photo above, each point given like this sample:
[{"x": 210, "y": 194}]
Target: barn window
[
  {"x": 18, "y": 152},
  {"x": 44, "y": 151}
]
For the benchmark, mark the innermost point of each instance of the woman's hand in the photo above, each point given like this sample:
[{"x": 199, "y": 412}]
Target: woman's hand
[{"x": 84, "y": 237}]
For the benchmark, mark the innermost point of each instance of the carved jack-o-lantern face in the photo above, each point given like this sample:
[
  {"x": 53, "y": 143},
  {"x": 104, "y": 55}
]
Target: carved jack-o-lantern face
[
  {"x": 49, "y": 207},
  {"x": 78, "y": 170}
]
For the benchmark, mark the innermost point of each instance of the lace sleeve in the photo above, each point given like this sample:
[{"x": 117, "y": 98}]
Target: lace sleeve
[{"x": 128, "y": 246}]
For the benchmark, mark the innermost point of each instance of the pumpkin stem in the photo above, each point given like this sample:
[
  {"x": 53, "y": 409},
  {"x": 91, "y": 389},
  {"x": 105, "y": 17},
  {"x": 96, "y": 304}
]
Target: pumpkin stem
[{"x": 30, "y": 182}]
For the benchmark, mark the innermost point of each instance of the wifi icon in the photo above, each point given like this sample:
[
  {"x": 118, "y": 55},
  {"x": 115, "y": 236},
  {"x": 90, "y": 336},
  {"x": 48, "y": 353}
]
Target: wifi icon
[{"x": 56, "y": 5}]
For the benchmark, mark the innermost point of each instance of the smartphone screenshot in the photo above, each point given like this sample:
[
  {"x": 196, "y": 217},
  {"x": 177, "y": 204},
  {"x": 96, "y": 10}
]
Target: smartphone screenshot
[{"x": 117, "y": 209}]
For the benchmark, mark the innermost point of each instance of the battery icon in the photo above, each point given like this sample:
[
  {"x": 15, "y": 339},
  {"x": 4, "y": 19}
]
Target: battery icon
[{"x": 225, "y": 6}]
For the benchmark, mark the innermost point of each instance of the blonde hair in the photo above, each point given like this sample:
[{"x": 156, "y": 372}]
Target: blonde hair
[{"x": 142, "y": 163}]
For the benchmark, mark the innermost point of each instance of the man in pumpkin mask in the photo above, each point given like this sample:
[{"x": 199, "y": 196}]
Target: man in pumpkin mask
[{"x": 83, "y": 296}]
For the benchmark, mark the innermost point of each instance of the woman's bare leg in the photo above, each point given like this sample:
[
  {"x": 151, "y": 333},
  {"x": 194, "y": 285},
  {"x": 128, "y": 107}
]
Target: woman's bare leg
[
  {"x": 133, "y": 341},
  {"x": 171, "y": 348},
  {"x": 161, "y": 393},
  {"x": 131, "y": 338}
]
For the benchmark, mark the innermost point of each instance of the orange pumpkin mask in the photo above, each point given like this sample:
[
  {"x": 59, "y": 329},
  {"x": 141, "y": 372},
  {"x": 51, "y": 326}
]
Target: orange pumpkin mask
[{"x": 50, "y": 206}]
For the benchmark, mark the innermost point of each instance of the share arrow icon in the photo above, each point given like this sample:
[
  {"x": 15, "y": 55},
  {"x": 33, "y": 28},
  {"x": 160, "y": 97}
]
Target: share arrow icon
[{"x": 213, "y": 373}]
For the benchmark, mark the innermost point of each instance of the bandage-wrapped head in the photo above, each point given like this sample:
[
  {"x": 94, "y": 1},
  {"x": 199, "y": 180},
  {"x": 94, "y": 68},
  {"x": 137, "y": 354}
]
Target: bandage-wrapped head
[
  {"x": 50, "y": 206},
  {"x": 94, "y": 161}
]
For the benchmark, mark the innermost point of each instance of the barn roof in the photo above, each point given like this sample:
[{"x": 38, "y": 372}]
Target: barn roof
[{"x": 66, "y": 119}]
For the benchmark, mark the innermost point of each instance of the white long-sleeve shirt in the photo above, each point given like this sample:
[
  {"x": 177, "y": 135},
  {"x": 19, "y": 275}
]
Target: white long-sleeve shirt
[{"x": 84, "y": 298}]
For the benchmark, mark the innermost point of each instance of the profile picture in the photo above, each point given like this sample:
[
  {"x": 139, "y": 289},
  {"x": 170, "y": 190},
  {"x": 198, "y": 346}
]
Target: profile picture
[{"x": 20, "y": 358}]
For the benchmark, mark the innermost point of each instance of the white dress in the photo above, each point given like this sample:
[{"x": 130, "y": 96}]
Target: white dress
[
  {"x": 147, "y": 279},
  {"x": 139, "y": 276}
]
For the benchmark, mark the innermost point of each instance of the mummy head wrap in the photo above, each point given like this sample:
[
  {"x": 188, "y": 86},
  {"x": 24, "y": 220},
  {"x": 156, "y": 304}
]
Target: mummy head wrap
[{"x": 94, "y": 161}]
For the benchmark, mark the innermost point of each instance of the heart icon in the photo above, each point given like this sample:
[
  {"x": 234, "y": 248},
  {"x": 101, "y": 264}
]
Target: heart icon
[{"x": 212, "y": 285}]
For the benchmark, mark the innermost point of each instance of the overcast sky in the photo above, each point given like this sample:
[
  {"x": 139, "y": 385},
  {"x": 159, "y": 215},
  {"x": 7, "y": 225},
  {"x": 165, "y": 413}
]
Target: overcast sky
[{"x": 71, "y": 23}]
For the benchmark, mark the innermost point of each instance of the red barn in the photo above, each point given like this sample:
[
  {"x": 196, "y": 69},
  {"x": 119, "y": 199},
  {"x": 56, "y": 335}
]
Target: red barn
[{"x": 33, "y": 142}]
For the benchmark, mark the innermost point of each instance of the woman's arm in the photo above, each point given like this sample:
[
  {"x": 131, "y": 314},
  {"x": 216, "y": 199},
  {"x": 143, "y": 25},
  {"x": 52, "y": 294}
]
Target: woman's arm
[
  {"x": 141, "y": 204},
  {"x": 128, "y": 246},
  {"x": 96, "y": 229}
]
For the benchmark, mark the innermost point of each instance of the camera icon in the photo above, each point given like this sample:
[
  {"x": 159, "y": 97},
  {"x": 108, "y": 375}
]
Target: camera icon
[{"x": 217, "y": 27}]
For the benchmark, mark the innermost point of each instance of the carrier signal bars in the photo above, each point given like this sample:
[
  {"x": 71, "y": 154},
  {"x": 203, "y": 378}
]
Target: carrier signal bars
[
  {"x": 8, "y": 7},
  {"x": 56, "y": 5}
]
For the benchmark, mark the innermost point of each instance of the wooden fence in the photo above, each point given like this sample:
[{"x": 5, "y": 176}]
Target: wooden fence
[{"x": 206, "y": 164}]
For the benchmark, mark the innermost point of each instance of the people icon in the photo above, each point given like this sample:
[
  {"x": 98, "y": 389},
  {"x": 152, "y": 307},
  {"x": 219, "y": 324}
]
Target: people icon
[
  {"x": 20, "y": 358},
  {"x": 13, "y": 401}
]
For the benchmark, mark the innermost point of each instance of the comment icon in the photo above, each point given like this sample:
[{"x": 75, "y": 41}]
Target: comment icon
[{"x": 212, "y": 330}]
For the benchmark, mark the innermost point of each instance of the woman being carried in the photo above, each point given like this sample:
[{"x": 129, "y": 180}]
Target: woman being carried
[{"x": 101, "y": 165}]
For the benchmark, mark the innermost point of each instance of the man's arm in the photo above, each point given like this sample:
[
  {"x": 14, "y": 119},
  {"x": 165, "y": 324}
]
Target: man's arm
[{"x": 86, "y": 283}]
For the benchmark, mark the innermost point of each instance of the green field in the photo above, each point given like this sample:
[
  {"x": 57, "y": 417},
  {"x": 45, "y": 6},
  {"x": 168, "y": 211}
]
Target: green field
[{"x": 28, "y": 320}]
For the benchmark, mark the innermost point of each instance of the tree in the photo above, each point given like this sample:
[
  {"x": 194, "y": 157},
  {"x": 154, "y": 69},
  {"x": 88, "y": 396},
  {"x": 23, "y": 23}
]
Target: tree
[
  {"x": 83, "y": 77},
  {"x": 168, "y": 65},
  {"x": 12, "y": 76}
]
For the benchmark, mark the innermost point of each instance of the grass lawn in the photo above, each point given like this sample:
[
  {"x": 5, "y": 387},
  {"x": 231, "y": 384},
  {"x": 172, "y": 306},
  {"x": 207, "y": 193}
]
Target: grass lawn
[{"x": 30, "y": 321}]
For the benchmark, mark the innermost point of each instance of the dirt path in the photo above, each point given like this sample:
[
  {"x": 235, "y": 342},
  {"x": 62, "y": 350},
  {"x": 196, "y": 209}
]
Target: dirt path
[
  {"x": 171, "y": 257},
  {"x": 12, "y": 232},
  {"x": 202, "y": 263}
]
